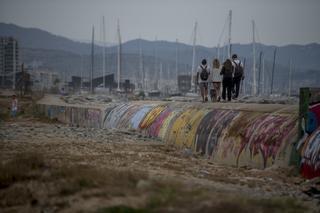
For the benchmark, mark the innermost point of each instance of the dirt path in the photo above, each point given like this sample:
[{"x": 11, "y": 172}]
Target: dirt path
[{"x": 49, "y": 167}]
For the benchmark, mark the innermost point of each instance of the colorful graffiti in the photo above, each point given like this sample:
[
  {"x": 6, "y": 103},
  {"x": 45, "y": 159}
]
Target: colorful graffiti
[
  {"x": 223, "y": 135},
  {"x": 265, "y": 134},
  {"x": 210, "y": 130},
  {"x": 310, "y": 163},
  {"x": 309, "y": 145}
]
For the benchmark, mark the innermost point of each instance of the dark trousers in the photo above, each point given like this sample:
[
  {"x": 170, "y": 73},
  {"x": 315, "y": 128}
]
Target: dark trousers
[
  {"x": 226, "y": 88},
  {"x": 236, "y": 86}
]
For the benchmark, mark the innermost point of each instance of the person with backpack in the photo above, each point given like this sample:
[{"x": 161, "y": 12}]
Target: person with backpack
[
  {"x": 203, "y": 73},
  {"x": 238, "y": 75},
  {"x": 216, "y": 81},
  {"x": 227, "y": 78}
]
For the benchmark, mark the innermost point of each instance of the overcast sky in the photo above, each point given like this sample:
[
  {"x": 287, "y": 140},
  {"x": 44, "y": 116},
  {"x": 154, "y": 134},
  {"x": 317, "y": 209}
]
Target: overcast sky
[{"x": 278, "y": 22}]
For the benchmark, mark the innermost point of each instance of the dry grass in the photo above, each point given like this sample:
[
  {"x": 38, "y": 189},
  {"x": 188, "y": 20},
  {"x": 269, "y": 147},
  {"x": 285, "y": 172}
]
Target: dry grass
[
  {"x": 166, "y": 196},
  {"x": 78, "y": 177},
  {"x": 22, "y": 167},
  {"x": 24, "y": 174}
]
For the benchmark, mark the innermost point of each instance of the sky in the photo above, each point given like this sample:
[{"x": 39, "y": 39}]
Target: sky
[{"x": 278, "y": 22}]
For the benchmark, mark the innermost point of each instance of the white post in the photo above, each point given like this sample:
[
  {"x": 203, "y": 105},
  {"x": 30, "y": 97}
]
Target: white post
[
  {"x": 119, "y": 56},
  {"x": 14, "y": 64},
  {"x": 229, "y": 35},
  {"x": 254, "y": 59},
  {"x": 194, "y": 54}
]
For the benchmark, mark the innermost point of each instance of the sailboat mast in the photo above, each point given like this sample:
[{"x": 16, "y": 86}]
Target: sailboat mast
[
  {"x": 177, "y": 57},
  {"x": 104, "y": 52},
  {"x": 254, "y": 59},
  {"x": 142, "y": 81},
  {"x": 92, "y": 61},
  {"x": 194, "y": 54},
  {"x": 273, "y": 66},
  {"x": 263, "y": 77},
  {"x": 244, "y": 82},
  {"x": 81, "y": 72},
  {"x": 259, "y": 76},
  {"x": 156, "y": 74},
  {"x": 218, "y": 51},
  {"x": 160, "y": 82},
  {"x": 229, "y": 35},
  {"x": 119, "y": 55},
  {"x": 290, "y": 78}
]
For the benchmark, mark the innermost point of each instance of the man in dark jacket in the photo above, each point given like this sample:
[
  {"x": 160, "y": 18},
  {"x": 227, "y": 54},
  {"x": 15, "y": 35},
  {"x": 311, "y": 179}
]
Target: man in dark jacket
[{"x": 227, "y": 74}]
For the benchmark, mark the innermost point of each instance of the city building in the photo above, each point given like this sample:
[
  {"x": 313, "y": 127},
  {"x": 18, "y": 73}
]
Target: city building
[
  {"x": 9, "y": 61},
  {"x": 44, "y": 79}
]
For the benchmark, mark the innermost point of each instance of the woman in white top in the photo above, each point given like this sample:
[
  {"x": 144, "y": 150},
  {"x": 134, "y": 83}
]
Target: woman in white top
[{"x": 216, "y": 80}]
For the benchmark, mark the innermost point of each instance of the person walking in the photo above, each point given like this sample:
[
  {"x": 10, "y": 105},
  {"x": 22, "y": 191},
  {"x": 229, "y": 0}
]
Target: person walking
[
  {"x": 14, "y": 106},
  {"x": 203, "y": 73},
  {"x": 215, "y": 81},
  {"x": 227, "y": 77},
  {"x": 238, "y": 75}
]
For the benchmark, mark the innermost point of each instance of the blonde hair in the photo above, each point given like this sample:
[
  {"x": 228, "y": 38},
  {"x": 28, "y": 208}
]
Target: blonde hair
[{"x": 216, "y": 63}]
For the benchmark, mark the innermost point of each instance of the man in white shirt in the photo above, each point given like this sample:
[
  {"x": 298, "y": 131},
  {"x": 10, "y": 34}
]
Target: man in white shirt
[{"x": 203, "y": 73}]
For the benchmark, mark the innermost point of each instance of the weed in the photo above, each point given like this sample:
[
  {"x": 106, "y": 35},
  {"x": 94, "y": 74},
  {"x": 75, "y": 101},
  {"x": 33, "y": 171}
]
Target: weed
[{"x": 121, "y": 209}]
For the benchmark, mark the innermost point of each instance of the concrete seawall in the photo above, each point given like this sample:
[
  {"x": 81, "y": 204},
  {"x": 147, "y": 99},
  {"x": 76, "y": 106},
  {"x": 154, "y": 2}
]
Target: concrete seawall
[{"x": 253, "y": 135}]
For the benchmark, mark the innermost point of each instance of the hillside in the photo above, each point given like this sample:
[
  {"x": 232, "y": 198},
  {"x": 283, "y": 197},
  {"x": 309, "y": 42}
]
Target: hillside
[
  {"x": 70, "y": 57},
  {"x": 304, "y": 56}
]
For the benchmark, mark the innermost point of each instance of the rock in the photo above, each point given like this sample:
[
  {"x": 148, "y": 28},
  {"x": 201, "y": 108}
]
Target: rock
[
  {"x": 204, "y": 172},
  {"x": 143, "y": 184},
  {"x": 187, "y": 152}
]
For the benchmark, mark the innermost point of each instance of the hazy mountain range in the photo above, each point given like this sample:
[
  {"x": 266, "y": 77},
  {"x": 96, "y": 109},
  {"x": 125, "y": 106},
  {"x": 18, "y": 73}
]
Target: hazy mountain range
[{"x": 63, "y": 55}]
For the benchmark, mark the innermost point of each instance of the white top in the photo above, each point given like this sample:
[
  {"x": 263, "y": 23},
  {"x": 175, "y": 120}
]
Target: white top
[
  {"x": 215, "y": 75},
  {"x": 236, "y": 61},
  {"x": 14, "y": 105},
  {"x": 199, "y": 72}
]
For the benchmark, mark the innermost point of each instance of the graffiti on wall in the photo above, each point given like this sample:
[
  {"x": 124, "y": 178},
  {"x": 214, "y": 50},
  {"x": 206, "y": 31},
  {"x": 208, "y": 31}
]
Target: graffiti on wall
[
  {"x": 224, "y": 135},
  {"x": 93, "y": 117},
  {"x": 210, "y": 130},
  {"x": 309, "y": 144},
  {"x": 265, "y": 135}
]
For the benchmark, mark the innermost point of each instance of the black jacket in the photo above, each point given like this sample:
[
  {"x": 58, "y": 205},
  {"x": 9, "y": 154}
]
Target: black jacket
[{"x": 226, "y": 73}]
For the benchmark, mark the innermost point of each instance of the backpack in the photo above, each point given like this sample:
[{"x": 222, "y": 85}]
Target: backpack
[
  {"x": 204, "y": 75},
  {"x": 238, "y": 70}
]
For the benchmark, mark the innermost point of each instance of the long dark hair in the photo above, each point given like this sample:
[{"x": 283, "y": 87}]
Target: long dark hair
[{"x": 228, "y": 64}]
